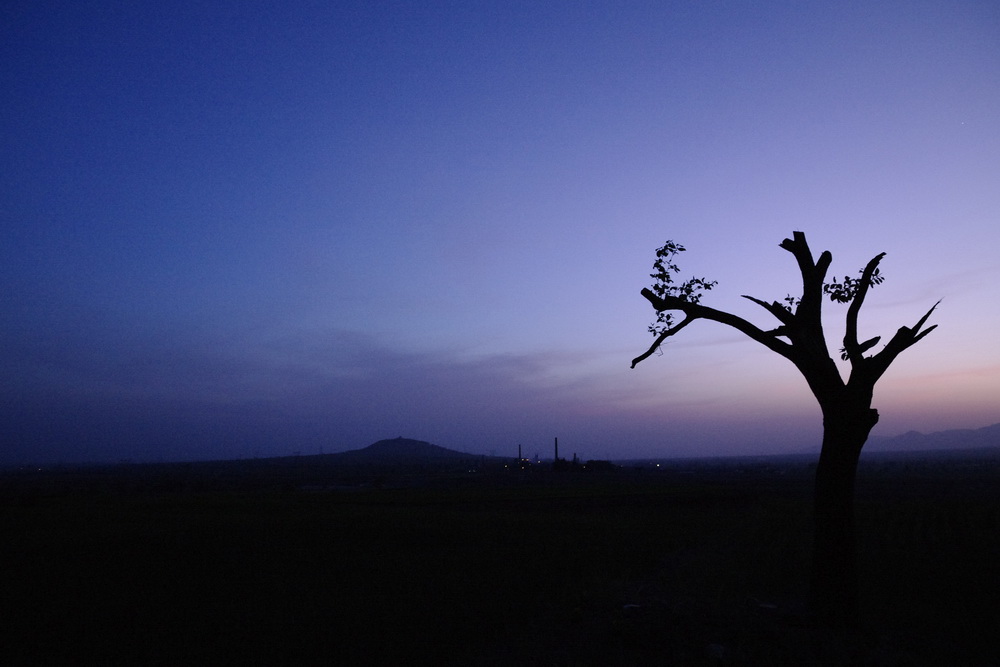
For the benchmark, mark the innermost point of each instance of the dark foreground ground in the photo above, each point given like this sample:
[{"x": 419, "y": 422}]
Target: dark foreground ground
[{"x": 701, "y": 566}]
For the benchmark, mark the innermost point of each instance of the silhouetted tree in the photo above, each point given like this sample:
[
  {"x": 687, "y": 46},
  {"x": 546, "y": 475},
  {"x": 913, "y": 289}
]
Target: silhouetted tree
[{"x": 848, "y": 417}]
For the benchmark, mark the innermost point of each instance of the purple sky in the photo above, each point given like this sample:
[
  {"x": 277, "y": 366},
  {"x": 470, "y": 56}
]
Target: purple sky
[{"x": 254, "y": 228}]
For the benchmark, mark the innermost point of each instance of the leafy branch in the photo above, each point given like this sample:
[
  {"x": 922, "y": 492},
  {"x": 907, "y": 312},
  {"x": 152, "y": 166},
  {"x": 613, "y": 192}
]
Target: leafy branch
[
  {"x": 664, "y": 285},
  {"x": 839, "y": 291}
]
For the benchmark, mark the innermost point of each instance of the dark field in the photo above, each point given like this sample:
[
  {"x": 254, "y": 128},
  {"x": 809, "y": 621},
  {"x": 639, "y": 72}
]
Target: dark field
[{"x": 706, "y": 565}]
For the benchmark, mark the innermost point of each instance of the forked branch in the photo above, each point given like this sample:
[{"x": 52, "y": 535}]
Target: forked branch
[
  {"x": 852, "y": 349},
  {"x": 873, "y": 367},
  {"x": 662, "y": 337},
  {"x": 694, "y": 311},
  {"x": 813, "y": 275}
]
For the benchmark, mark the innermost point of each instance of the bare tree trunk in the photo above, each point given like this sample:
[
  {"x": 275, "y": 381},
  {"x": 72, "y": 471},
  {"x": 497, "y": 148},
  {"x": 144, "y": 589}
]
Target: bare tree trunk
[{"x": 834, "y": 582}]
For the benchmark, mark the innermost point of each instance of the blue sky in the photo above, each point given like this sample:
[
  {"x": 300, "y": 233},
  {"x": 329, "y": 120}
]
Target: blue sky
[{"x": 253, "y": 228}]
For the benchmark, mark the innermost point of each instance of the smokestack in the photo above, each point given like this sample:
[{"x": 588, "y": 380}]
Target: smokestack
[
  {"x": 557, "y": 449},
  {"x": 519, "y": 459}
]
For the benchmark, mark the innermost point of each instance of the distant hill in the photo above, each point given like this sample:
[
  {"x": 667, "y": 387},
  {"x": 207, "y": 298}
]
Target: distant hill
[
  {"x": 913, "y": 441},
  {"x": 400, "y": 450}
]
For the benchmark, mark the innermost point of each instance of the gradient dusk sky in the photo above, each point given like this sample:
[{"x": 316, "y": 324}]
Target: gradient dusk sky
[{"x": 239, "y": 228}]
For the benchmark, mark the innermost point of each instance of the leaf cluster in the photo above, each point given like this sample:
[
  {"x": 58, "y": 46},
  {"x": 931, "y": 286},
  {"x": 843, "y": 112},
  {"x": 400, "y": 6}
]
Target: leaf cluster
[
  {"x": 665, "y": 286},
  {"x": 790, "y": 303},
  {"x": 844, "y": 291},
  {"x": 841, "y": 291}
]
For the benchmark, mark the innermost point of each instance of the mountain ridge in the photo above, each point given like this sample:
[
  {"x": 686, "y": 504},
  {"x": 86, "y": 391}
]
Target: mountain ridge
[
  {"x": 915, "y": 441},
  {"x": 400, "y": 450}
]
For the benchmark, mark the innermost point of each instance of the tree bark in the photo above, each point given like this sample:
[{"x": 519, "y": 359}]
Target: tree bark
[{"x": 834, "y": 580}]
